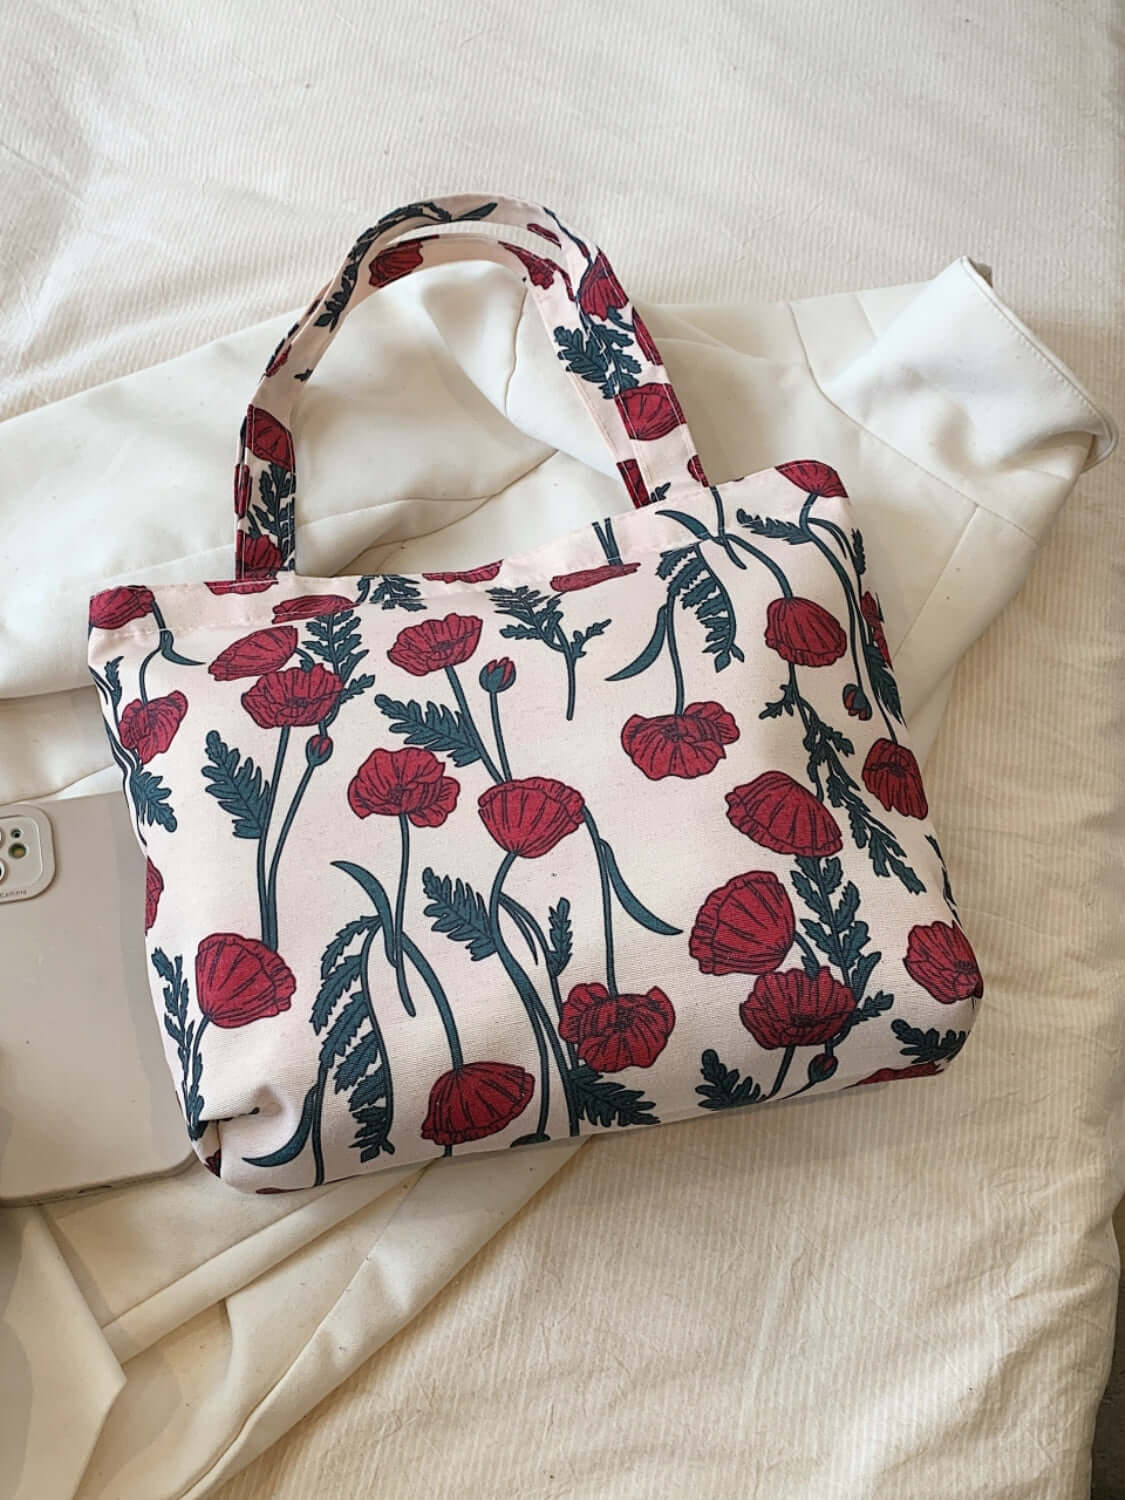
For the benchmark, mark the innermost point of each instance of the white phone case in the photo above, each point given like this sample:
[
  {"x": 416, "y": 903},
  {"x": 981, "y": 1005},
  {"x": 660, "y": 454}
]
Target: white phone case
[{"x": 85, "y": 1097}]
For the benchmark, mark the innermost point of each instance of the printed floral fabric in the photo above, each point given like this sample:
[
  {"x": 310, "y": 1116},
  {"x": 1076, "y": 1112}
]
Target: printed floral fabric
[{"x": 618, "y": 832}]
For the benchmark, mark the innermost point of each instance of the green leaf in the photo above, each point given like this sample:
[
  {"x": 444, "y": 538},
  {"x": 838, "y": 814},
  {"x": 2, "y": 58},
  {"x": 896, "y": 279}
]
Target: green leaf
[
  {"x": 436, "y": 727},
  {"x": 722, "y": 1088},
  {"x": 607, "y": 1103},
  {"x": 636, "y": 908},
  {"x": 583, "y": 357},
  {"x": 774, "y": 527},
  {"x": 861, "y": 973},
  {"x": 238, "y": 786},
  {"x": 346, "y": 935},
  {"x": 336, "y": 640},
  {"x": 650, "y": 653},
  {"x": 701, "y": 592},
  {"x": 340, "y": 1034},
  {"x": 332, "y": 989},
  {"x": 365, "y": 1054},
  {"x": 481, "y": 211},
  {"x": 391, "y": 591},
  {"x": 559, "y": 927},
  {"x": 460, "y": 912},
  {"x": 538, "y": 615},
  {"x": 690, "y": 523},
  {"x": 882, "y": 680},
  {"x": 580, "y": 637},
  {"x": 859, "y": 554},
  {"x": 112, "y": 670},
  {"x": 928, "y": 1046},
  {"x": 150, "y": 798},
  {"x": 296, "y": 1142}
]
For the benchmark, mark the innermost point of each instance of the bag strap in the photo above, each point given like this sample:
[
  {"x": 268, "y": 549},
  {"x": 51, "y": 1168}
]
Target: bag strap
[{"x": 601, "y": 340}]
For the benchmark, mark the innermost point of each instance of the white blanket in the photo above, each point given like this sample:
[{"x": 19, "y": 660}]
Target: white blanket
[{"x": 915, "y": 1273}]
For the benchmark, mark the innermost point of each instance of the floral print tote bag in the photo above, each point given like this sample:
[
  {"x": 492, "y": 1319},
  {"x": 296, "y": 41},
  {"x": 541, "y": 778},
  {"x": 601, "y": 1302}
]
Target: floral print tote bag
[{"x": 621, "y": 831}]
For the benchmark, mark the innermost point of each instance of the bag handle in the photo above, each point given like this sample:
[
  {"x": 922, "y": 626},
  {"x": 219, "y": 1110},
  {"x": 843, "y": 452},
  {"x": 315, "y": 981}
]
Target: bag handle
[{"x": 601, "y": 340}]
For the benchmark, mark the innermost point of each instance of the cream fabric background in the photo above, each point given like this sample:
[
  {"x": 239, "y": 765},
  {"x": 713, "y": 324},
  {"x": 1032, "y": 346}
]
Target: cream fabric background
[{"x": 942, "y": 1283}]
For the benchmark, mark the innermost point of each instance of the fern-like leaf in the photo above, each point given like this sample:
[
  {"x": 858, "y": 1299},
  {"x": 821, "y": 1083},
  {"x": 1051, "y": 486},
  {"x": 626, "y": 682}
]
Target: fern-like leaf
[
  {"x": 238, "y": 786},
  {"x": 458, "y": 911},
  {"x": 436, "y": 727},
  {"x": 722, "y": 1088},
  {"x": 604, "y": 1102}
]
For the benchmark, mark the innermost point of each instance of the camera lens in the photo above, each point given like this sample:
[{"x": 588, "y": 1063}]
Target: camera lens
[
  {"x": 17, "y": 833},
  {"x": 17, "y": 851},
  {"x": 3, "y": 869}
]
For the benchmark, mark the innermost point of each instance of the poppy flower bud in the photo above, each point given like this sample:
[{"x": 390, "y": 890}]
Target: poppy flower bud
[
  {"x": 498, "y": 676},
  {"x": 822, "y": 1067},
  {"x": 318, "y": 749}
]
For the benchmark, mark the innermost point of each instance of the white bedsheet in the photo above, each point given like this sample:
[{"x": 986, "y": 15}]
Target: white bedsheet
[{"x": 924, "y": 1297}]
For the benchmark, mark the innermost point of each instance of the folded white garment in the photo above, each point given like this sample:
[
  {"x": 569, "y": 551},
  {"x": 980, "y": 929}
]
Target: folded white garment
[{"x": 205, "y": 1324}]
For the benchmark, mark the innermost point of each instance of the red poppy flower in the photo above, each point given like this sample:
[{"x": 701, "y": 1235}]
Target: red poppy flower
[
  {"x": 745, "y": 927},
  {"x": 476, "y": 1100},
  {"x": 243, "y": 586},
  {"x": 541, "y": 272},
  {"x": 280, "y": 357},
  {"x": 792, "y": 1010},
  {"x": 473, "y": 575},
  {"x": 940, "y": 958},
  {"x": 530, "y": 817},
  {"x": 696, "y": 470},
  {"x": 547, "y": 234},
  {"x": 686, "y": 745},
  {"x": 115, "y": 607},
  {"x": 239, "y": 980},
  {"x": 241, "y": 490},
  {"x": 803, "y": 632},
  {"x": 599, "y": 291},
  {"x": 292, "y": 698},
  {"x": 147, "y": 729},
  {"x": 586, "y": 578},
  {"x": 410, "y": 781},
  {"x": 856, "y": 701},
  {"x": 261, "y": 651},
  {"x": 267, "y": 439},
  {"x": 649, "y": 411},
  {"x": 813, "y": 477},
  {"x": 154, "y": 885},
  {"x": 311, "y": 606},
  {"x": 618, "y": 1031},
  {"x": 630, "y": 471},
  {"x": 874, "y": 617},
  {"x": 255, "y": 554},
  {"x": 433, "y": 645},
  {"x": 645, "y": 340},
  {"x": 780, "y": 814},
  {"x": 888, "y": 1075},
  {"x": 891, "y": 773},
  {"x": 399, "y": 260}
]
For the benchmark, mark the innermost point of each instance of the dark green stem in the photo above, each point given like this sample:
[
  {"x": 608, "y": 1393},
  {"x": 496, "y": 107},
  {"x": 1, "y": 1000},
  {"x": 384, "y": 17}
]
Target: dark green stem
[
  {"x": 143, "y": 695},
  {"x": 782, "y": 1071},
  {"x": 854, "y": 614},
  {"x": 524, "y": 989},
  {"x": 287, "y": 824},
  {"x": 571, "y": 678},
  {"x": 459, "y": 694},
  {"x": 498, "y": 734},
  {"x": 564, "y": 1062},
  {"x": 268, "y": 917},
  {"x": 764, "y": 559},
  {"x": 373, "y": 1019},
  {"x": 317, "y": 1142},
  {"x": 607, "y": 905},
  {"x": 674, "y": 656},
  {"x": 441, "y": 1001},
  {"x": 400, "y": 912}
]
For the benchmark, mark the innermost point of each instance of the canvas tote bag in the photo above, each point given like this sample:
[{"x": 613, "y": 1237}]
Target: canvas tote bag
[{"x": 624, "y": 830}]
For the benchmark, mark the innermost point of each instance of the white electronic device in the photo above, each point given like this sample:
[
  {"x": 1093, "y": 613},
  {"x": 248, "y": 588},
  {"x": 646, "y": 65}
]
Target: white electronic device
[{"x": 86, "y": 1099}]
